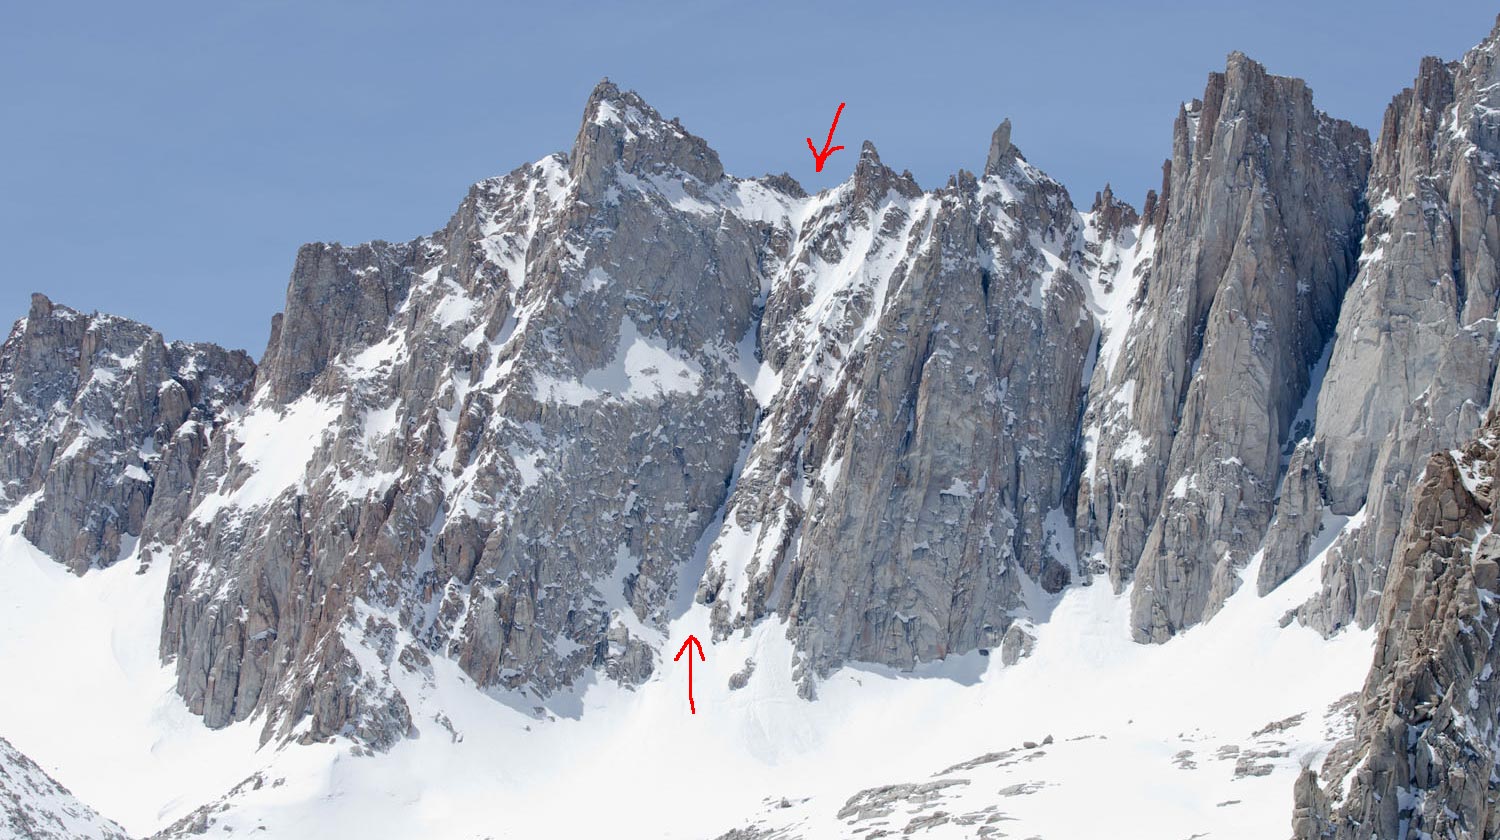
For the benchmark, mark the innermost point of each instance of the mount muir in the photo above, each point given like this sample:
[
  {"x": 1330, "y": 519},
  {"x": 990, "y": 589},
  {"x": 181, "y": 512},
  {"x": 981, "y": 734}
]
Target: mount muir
[{"x": 888, "y": 450}]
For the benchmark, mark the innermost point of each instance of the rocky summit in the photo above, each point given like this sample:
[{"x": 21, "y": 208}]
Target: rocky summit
[{"x": 974, "y": 453}]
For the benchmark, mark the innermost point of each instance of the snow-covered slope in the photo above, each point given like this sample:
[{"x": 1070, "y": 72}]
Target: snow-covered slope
[
  {"x": 87, "y": 696},
  {"x": 1155, "y": 754},
  {"x": 35, "y": 807}
]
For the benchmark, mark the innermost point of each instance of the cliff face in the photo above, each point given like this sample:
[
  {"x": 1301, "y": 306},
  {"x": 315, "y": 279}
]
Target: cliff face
[
  {"x": 901, "y": 421},
  {"x": 1412, "y": 370},
  {"x": 619, "y": 380},
  {"x": 103, "y": 425},
  {"x": 1426, "y": 741},
  {"x": 499, "y": 443},
  {"x": 511, "y": 443},
  {"x": 1255, "y": 239},
  {"x": 622, "y": 388},
  {"x": 902, "y": 497}
]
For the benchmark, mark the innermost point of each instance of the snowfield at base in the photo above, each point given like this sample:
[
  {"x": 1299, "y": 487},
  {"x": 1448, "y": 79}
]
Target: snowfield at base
[
  {"x": 620, "y": 763},
  {"x": 86, "y": 697}
]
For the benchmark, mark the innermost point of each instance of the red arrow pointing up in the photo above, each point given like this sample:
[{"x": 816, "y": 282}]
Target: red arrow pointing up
[
  {"x": 820, "y": 157},
  {"x": 691, "y": 640}
]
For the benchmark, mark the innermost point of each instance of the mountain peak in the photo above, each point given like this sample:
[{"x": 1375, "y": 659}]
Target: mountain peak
[
  {"x": 1237, "y": 59},
  {"x": 1494, "y": 36},
  {"x": 1001, "y": 150},
  {"x": 620, "y": 130},
  {"x": 41, "y": 305},
  {"x": 1112, "y": 214},
  {"x": 872, "y": 178}
]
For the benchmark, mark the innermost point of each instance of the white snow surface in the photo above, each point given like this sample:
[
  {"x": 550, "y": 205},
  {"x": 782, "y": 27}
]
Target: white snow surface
[
  {"x": 43, "y": 803},
  {"x": 279, "y": 443},
  {"x": 1110, "y": 296},
  {"x": 88, "y": 700},
  {"x": 99, "y": 713}
]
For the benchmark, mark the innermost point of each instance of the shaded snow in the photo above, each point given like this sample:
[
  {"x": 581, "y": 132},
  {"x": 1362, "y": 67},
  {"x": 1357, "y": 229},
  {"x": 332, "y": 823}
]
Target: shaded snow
[
  {"x": 1110, "y": 297},
  {"x": 642, "y": 368}
]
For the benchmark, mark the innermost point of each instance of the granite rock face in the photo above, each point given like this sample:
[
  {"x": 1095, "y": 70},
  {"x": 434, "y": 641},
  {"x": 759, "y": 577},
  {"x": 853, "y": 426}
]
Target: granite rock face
[
  {"x": 620, "y": 379},
  {"x": 1299, "y": 518},
  {"x": 1422, "y": 759},
  {"x": 1258, "y": 227},
  {"x": 103, "y": 425},
  {"x": 898, "y": 420},
  {"x": 903, "y": 498},
  {"x": 499, "y": 443},
  {"x": 512, "y": 443},
  {"x": 1412, "y": 369}
]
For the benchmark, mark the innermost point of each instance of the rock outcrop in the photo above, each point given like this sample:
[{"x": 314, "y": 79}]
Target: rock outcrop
[
  {"x": 513, "y": 437},
  {"x": 1255, "y": 243},
  {"x": 620, "y": 385},
  {"x": 103, "y": 425},
  {"x": 900, "y": 420},
  {"x": 1427, "y": 739},
  {"x": 500, "y": 443},
  {"x": 904, "y": 496},
  {"x": 1412, "y": 369},
  {"x": 619, "y": 378}
]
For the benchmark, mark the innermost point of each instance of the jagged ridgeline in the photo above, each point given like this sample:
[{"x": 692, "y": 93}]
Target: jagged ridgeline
[
  {"x": 900, "y": 421},
  {"x": 513, "y": 442}
]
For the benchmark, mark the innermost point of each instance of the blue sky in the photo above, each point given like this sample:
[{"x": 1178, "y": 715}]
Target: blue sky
[{"x": 163, "y": 161}]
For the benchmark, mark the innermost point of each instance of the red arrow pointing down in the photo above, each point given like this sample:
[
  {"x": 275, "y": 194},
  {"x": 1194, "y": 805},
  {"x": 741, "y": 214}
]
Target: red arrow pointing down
[
  {"x": 691, "y": 640},
  {"x": 820, "y": 157}
]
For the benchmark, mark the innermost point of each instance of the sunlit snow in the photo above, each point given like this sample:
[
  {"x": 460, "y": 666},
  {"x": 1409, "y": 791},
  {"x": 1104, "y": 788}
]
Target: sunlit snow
[{"x": 1148, "y": 737}]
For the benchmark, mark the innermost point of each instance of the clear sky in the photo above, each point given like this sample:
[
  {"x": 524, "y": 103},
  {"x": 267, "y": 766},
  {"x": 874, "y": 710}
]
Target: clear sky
[{"x": 163, "y": 161}]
